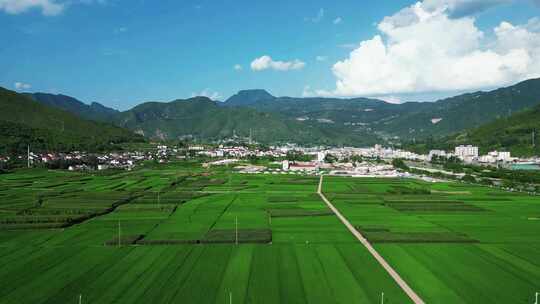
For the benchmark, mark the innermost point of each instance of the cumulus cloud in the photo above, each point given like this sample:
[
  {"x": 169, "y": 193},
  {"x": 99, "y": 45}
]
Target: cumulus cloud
[
  {"x": 47, "y": 7},
  {"x": 21, "y": 86},
  {"x": 423, "y": 48},
  {"x": 338, "y": 20},
  {"x": 237, "y": 67},
  {"x": 208, "y": 93},
  {"x": 266, "y": 62},
  {"x": 461, "y": 8}
]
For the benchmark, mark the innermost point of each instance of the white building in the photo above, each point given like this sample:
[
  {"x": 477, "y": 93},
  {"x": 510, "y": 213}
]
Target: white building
[
  {"x": 321, "y": 156},
  {"x": 466, "y": 152},
  {"x": 285, "y": 165},
  {"x": 500, "y": 156}
]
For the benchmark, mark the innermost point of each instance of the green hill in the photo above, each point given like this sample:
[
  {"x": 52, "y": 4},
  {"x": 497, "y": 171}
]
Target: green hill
[
  {"x": 513, "y": 133},
  {"x": 248, "y": 97},
  {"x": 94, "y": 111},
  {"x": 464, "y": 112},
  {"x": 202, "y": 118},
  {"x": 27, "y": 122},
  {"x": 408, "y": 120}
]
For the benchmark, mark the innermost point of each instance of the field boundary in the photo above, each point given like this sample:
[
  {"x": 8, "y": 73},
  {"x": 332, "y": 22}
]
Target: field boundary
[{"x": 402, "y": 284}]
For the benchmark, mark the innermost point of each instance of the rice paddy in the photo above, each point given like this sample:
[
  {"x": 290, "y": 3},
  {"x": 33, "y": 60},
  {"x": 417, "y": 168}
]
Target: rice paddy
[{"x": 183, "y": 234}]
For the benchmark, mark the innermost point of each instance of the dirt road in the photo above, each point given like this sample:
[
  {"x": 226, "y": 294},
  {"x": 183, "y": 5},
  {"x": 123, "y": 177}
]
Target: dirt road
[{"x": 408, "y": 290}]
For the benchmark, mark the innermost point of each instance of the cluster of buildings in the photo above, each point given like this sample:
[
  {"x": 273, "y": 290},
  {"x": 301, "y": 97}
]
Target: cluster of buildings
[
  {"x": 236, "y": 151},
  {"x": 470, "y": 154},
  {"x": 82, "y": 161}
]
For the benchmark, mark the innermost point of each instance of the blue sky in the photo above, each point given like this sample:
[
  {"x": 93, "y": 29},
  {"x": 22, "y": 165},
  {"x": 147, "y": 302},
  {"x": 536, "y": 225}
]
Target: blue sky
[{"x": 121, "y": 52}]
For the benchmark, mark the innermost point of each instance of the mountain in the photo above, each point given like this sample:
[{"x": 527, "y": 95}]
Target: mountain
[
  {"x": 463, "y": 112},
  {"x": 248, "y": 97},
  {"x": 514, "y": 133},
  {"x": 94, "y": 111},
  {"x": 353, "y": 121},
  {"x": 202, "y": 118},
  {"x": 25, "y": 121},
  {"x": 408, "y": 120}
]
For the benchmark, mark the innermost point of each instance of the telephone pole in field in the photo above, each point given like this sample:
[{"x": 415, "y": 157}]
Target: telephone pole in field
[{"x": 28, "y": 156}]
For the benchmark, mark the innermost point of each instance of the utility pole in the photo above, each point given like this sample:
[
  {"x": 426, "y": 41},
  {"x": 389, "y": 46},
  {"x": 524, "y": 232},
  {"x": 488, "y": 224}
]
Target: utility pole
[
  {"x": 236, "y": 229},
  {"x": 119, "y": 233}
]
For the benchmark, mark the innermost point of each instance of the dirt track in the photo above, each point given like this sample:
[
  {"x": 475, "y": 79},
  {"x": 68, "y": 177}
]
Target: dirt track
[{"x": 408, "y": 290}]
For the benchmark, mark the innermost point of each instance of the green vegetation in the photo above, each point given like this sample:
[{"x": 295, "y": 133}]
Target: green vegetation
[
  {"x": 331, "y": 121},
  {"x": 167, "y": 234},
  {"x": 409, "y": 120},
  {"x": 202, "y": 118},
  {"x": 26, "y": 122},
  {"x": 514, "y": 133},
  {"x": 455, "y": 243},
  {"x": 94, "y": 111}
]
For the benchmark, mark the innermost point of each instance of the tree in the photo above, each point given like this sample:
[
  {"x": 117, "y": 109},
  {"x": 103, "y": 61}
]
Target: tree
[
  {"x": 400, "y": 164},
  {"x": 468, "y": 178},
  {"x": 329, "y": 158}
]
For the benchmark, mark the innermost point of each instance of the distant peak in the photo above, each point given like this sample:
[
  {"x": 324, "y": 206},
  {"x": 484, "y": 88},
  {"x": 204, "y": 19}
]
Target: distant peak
[
  {"x": 249, "y": 97},
  {"x": 261, "y": 92}
]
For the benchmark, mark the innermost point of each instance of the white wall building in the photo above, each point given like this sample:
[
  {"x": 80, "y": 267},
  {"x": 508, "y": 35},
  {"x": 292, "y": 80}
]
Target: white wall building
[{"x": 466, "y": 152}]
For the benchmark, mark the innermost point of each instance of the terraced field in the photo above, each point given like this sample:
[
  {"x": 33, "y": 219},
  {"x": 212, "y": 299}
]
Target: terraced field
[
  {"x": 178, "y": 234},
  {"x": 453, "y": 243}
]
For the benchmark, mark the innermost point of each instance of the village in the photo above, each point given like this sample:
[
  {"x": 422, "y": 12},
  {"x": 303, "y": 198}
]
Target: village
[{"x": 352, "y": 161}]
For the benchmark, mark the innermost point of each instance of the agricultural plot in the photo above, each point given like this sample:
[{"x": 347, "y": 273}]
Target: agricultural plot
[
  {"x": 453, "y": 243},
  {"x": 181, "y": 233},
  {"x": 182, "y": 247}
]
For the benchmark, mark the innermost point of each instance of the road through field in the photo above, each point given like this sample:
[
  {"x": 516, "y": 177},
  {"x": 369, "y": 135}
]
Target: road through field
[{"x": 402, "y": 284}]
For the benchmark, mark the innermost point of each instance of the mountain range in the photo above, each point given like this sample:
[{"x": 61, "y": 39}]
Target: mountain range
[
  {"x": 517, "y": 133},
  {"x": 407, "y": 120},
  {"x": 332, "y": 121},
  {"x": 24, "y": 121},
  {"x": 94, "y": 111}
]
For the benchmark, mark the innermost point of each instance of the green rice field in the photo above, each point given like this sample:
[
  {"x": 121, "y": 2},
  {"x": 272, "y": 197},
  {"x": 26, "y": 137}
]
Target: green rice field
[{"x": 183, "y": 234}]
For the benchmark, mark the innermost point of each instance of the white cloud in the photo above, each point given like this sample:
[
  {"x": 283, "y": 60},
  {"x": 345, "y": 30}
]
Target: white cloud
[
  {"x": 208, "y": 93},
  {"x": 317, "y": 18},
  {"x": 423, "y": 49},
  {"x": 47, "y": 7},
  {"x": 390, "y": 99},
  {"x": 237, "y": 67},
  {"x": 338, "y": 20},
  {"x": 461, "y": 8},
  {"x": 321, "y": 58},
  {"x": 21, "y": 86},
  {"x": 266, "y": 62}
]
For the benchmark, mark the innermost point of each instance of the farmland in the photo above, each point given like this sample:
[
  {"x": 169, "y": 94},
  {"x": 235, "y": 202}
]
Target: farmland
[
  {"x": 179, "y": 233},
  {"x": 453, "y": 243}
]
